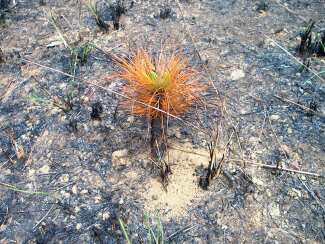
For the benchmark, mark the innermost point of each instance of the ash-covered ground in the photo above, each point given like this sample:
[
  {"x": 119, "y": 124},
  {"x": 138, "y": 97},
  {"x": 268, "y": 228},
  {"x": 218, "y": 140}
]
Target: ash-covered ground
[{"x": 73, "y": 162}]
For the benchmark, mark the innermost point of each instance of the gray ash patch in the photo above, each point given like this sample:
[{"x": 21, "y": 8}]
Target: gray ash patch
[{"x": 70, "y": 156}]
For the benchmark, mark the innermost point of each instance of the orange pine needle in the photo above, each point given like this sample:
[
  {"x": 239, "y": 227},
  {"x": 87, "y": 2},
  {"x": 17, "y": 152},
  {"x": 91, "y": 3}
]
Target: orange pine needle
[{"x": 167, "y": 83}]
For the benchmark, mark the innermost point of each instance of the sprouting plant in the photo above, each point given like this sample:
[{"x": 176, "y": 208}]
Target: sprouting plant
[
  {"x": 157, "y": 88},
  {"x": 84, "y": 52},
  {"x": 154, "y": 228},
  {"x": 306, "y": 37},
  {"x": 78, "y": 55},
  {"x": 50, "y": 100},
  {"x": 312, "y": 42},
  {"x": 320, "y": 40},
  {"x": 125, "y": 234}
]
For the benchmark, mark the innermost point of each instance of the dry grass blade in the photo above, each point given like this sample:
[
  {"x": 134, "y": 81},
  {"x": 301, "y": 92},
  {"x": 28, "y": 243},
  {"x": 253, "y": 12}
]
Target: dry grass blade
[{"x": 14, "y": 188}]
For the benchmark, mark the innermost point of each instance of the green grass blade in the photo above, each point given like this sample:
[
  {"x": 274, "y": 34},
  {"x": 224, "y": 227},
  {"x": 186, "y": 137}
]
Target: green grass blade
[
  {"x": 125, "y": 234},
  {"x": 14, "y": 188}
]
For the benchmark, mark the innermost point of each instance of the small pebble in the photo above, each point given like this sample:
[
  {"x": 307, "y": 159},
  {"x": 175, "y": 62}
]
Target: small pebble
[
  {"x": 64, "y": 178},
  {"x": 154, "y": 197},
  {"x": 274, "y": 117},
  {"x": 237, "y": 74},
  {"x": 121, "y": 201},
  {"x": 74, "y": 189},
  {"x": 45, "y": 169},
  {"x": 78, "y": 226}
]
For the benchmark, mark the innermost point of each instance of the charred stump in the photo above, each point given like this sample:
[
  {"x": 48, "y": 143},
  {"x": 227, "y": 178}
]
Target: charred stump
[
  {"x": 158, "y": 139},
  {"x": 158, "y": 143},
  {"x": 4, "y": 4}
]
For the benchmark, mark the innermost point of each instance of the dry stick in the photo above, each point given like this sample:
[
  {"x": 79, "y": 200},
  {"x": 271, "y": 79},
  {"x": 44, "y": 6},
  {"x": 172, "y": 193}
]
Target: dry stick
[
  {"x": 276, "y": 137},
  {"x": 312, "y": 194},
  {"x": 4, "y": 218},
  {"x": 116, "y": 93},
  {"x": 213, "y": 169},
  {"x": 2, "y": 165},
  {"x": 254, "y": 164},
  {"x": 183, "y": 230},
  {"x": 69, "y": 184},
  {"x": 41, "y": 220},
  {"x": 5, "y": 90},
  {"x": 275, "y": 167},
  {"x": 300, "y": 106},
  {"x": 297, "y": 60}
]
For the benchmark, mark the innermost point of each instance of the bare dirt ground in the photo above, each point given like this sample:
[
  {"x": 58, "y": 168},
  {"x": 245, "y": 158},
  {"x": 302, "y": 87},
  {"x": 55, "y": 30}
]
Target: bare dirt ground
[{"x": 66, "y": 177}]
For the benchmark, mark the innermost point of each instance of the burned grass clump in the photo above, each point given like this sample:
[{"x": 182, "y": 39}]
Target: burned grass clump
[
  {"x": 4, "y": 4},
  {"x": 311, "y": 42},
  {"x": 313, "y": 107},
  {"x": 214, "y": 167},
  {"x": 92, "y": 7},
  {"x": 165, "y": 13},
  {"x": 321, "y": 44},
  {"x": 262, "y": 6},
  {"x": 306, "y": 39},
  {"x": 117, "y": 9},
  {"x": 96, "y": 110},
  {"x": 159, "y": 89},
  {"x": 108, "y": 17},
  {"x": 2, "y": 56}
]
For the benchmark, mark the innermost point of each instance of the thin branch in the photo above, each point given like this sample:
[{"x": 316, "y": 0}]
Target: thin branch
[
  {"x": 274, "y": 167},
  {"x": 300, "y": 106},
  {"x": 183, "y": 230},
  {"x": 42, "y": 219},
  {"x": 312, "y": 194}
]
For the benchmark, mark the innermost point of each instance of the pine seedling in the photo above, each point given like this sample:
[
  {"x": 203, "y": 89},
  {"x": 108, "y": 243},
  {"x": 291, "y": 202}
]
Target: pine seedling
[{"x": 159, "y": 88}]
